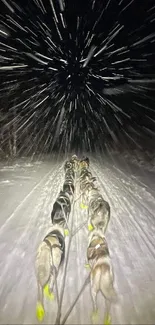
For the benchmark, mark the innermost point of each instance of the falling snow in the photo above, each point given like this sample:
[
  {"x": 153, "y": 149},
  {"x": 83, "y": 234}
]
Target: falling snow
[{"x": 71, "y": 71}]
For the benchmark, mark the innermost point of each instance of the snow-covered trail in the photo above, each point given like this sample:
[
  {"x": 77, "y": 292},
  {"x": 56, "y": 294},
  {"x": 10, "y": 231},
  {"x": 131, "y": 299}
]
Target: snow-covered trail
[{"x": 25, "y": 218}]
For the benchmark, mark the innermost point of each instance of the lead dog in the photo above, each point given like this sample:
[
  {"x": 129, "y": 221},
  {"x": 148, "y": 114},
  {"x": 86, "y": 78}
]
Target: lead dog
[
  {"x": 84, "y": 162},
  {"x": 101, "y": 275},
  {"x": 50, "y": 255},
  {"x": 74, "y": 160}
]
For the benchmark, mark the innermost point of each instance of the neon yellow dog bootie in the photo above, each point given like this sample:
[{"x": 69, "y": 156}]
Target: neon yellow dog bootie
[
  {"x": 66, "y": 232},
  {"x": 107, "y": 320},
  {"x": 95, "y": 317},
  {"x": 90, "y": 227},
  {"x": 48, "y": 293},
  {"x": 83, "y": 206},
  {"x": 40, "y": 312}
]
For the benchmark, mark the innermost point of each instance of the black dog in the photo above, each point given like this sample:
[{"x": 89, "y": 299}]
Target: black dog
[
  {"x": 70, "y": 174},
  {"x": 61, "y": 209},
  {"x": 68, "y": 187}
]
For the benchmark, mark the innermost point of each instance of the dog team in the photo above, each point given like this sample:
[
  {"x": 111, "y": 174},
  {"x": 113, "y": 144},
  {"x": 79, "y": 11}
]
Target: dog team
[{"x": 51, "y": 252}]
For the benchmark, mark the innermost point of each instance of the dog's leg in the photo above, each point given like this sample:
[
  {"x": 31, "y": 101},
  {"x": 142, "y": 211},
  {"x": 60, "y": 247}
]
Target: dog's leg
[
  {"x": 48, "y": 289},
  {"x": 66, "y": 230},
  {"x": 107, "y": 317},
  {"x": 90, "y": 226},
  {"x": 78, "y": 197},
  {"x": 94, "y": 316},
  {"x": 40, "y": 311},
  {"x": 87, "y": 266},
  {"x": 82, "y": 204},
  {"x": 107, "y": 222},
  {"x": 110, "y": 295}
]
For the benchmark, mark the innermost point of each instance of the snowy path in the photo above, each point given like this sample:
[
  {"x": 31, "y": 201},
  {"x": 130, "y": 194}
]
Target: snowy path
[{"x": 25, "y": 218}]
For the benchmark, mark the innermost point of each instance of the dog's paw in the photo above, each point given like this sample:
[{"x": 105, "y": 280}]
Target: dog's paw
[
  {"x": 48, "y": 293},
  {"x": 90, "y": 227},
  {"x": 83, "y": 206},
  {"x": 107, "y": 320},
  {"x": 95, "y": 317},
  {"x": 87, "y": 266},
  {"x": 40, "y": 312},
  {"x": 66, "y": 232}
]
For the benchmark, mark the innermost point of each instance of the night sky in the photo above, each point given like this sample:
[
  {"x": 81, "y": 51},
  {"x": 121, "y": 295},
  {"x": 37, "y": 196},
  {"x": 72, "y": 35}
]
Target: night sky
[{"x": 77, "y": 74}]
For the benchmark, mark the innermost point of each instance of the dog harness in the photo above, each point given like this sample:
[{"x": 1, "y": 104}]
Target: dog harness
[
  {"x": 60, "y": 238},
  {"x": 103, "y": 244},
  {"x": 65, "y": 198},
  {"x": 97, "y": 246}
]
